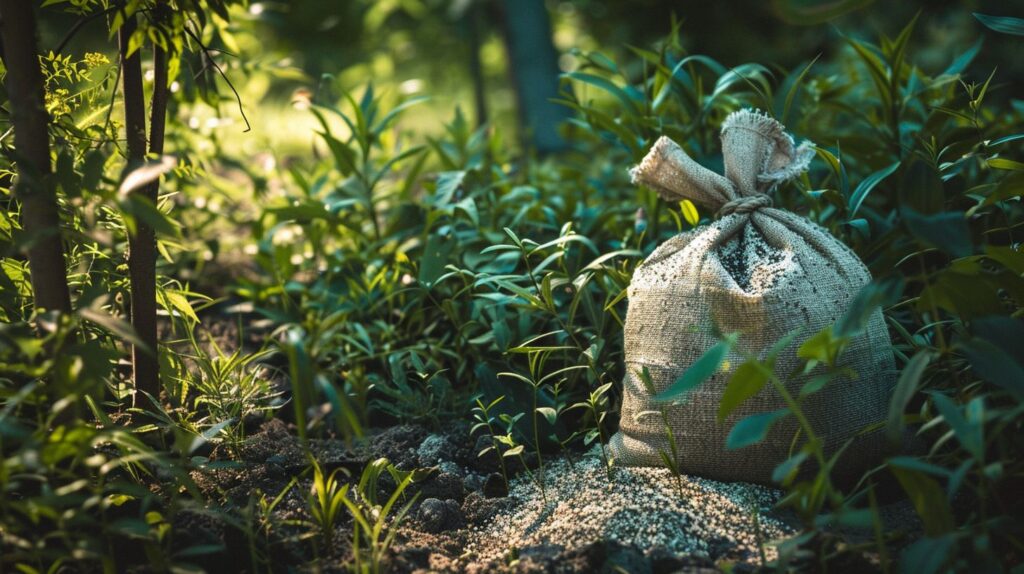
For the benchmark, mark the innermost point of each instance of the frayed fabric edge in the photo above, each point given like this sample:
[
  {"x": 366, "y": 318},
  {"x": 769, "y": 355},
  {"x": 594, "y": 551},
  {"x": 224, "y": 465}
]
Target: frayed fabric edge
[
  {"x": 762, "y": 123},
  {"x": 755, "y": 119},
  {"x": 802, "y": 157},
  {"x": 650, "y": 162}
]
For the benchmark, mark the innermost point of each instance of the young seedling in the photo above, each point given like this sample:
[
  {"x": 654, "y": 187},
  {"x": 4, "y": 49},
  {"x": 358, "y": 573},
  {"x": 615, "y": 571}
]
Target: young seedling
[
  {"x": 537, "y": 358},
  {"x": 482, "y": 414},
  {"x": 670, "y": 458},
  {"x": 326, "y": 502},
  {"x": 374, "y": 528},
  {"x": 597, "y": 405},
  {"x": 515, "y": 449}
]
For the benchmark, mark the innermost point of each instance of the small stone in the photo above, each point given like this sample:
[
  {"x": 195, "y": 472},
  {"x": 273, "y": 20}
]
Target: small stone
[
  {"x": 494, "y": 486},
  {"x": 443, "y": 486},
  {"x": 449, "y": 467},
  {"x": 432, "y": 514},
  {"x": 431, "y": 449},
  {"x": 474, "y": 482},
  {"x": 487, "y": 462},
  {"x": 436, "y": 515}
]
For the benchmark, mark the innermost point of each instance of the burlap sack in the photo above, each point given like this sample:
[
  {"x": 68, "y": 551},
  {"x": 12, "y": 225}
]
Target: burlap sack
[{"x": 763, "y": 273}]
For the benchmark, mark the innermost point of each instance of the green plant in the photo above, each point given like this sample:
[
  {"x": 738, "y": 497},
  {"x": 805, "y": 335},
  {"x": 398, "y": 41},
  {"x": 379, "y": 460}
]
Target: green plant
[
  {"x": 933, "y": 211},
  {"x": 671, "y": 457},
  {"x": 597, "y": 405},
  {"x": 484, "y": 420},
  {"x": 374, "y": 526},
  {"x": 326, "y": 501}
]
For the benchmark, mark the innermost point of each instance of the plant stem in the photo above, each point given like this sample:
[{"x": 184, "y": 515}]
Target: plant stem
[{"x": 536, "y": 445}]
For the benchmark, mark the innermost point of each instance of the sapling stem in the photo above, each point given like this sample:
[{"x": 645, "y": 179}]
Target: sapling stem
[{"x": 536, "y": 446}]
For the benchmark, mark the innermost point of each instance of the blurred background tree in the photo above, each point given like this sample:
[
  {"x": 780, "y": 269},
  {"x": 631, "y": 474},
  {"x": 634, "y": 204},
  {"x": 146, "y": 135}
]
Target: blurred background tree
[{"x": 497, "y": 60}]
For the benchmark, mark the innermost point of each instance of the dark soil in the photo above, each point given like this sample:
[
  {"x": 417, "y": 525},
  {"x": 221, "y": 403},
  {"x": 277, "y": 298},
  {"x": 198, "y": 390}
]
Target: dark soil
[{"x": 462, "y": 495}]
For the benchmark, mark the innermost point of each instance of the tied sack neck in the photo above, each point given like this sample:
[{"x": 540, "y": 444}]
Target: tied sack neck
[{"x": 758, "y": 154}]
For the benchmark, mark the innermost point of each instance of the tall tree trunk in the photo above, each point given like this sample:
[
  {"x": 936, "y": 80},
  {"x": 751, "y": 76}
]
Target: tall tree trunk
[
  {"x": 141, "y": 243},
  {"x": 40, "y": 216},
  {"x": 533, "y": 63},
  {"x": 476, "y": 69}
]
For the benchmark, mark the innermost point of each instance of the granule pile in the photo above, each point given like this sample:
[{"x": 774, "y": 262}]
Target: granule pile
[
  {"x": 640, "y": 507},
  {"x": 752, "y": 262}
]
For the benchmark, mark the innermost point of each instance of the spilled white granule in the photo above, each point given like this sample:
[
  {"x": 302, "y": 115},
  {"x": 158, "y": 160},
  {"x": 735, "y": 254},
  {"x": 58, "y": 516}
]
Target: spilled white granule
[{"x": 640, "y": 507}]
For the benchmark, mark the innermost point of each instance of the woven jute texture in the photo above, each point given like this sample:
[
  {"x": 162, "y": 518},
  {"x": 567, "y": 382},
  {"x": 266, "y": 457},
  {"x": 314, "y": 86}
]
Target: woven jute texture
[{"x": 760, "y": 272}]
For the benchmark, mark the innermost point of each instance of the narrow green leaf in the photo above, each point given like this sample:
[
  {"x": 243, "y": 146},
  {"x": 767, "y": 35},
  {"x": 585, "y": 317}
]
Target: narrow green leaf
[
  {"x": 865, "y": 187},
  {"x": 753, "y": 429},
  {"x": 905, "y": 388},
  {"x": 699, "y": 371},
  {"x": 1002, "y": 24},
  {"x": 787, "y": 469}
]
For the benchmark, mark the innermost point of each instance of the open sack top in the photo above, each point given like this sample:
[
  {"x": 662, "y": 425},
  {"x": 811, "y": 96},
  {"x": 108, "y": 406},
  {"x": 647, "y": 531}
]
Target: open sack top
[{"x": 758, "y": 154}]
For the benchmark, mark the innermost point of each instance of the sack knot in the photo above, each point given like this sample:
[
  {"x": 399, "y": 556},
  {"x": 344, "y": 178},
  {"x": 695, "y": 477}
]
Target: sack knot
[{"x": 745, "y": 204}]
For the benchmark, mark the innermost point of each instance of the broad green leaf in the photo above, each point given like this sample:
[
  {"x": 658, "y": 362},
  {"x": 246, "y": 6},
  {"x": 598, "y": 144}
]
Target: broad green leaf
[
  {"x": 927, "y": 555},
  {"x": 928, "y": 498},
  {"x": 995, "y": 365},
  {"x": 548, "y": 413},
  {"x": 753, "y": 429},
  {"x": 823, "y": 347},
  {"x": 946, "y": 230},
  {"x": 699, "y": 371},
  {"x": 447, "y": 183},
  {"x": 748, "y": 380},
  {"x": 435, "y": 256},
  {"x": 920, "y": 188},
  {"x": 877, "y": 293},
  {"x": 968, "y": 433}
]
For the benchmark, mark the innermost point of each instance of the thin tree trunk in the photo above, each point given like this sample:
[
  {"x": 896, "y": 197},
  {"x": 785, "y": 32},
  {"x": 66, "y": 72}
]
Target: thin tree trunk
[
  {"x": 40, "y": 216},
  {"x": 476, "y": 69},
  {"x": 141, "y": 243},
  {"x": 533, "y": 63}
]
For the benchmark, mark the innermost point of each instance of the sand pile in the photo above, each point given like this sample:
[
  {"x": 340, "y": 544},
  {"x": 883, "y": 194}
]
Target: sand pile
[{"x": 639, "y": 507}]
